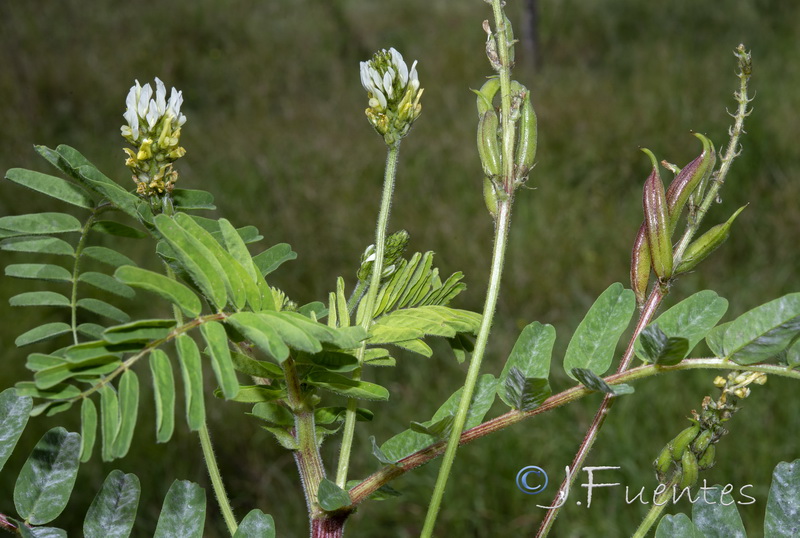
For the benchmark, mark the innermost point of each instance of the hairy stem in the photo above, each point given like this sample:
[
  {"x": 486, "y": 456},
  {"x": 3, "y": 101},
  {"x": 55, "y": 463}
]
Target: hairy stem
[
  {"x": 369, "y": 485},
  {"x": 659, "y": 504},
  {"x": 390, "y": 173},
  {"x": 216, "y": 480},
  {"x": 76, "y": 270}
]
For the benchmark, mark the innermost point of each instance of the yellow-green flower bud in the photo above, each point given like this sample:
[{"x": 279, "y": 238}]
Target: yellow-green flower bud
[{"x": 395, "y": 246}]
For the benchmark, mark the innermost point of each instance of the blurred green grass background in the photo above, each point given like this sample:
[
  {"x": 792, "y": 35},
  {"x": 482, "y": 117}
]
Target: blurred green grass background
[{"x": 276, "y": 131}]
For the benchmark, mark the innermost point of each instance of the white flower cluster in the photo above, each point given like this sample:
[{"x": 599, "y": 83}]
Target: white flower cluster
[
  {"x": 144, "y": 113},
  {"x": 388, "y": 81}
]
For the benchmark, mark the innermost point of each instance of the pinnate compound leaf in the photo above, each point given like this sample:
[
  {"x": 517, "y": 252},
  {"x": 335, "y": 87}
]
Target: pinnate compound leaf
[
  {"x": 88, "y": 429},
  {"x": 192, "y": 372},
  {"x": 256, "y": 394},
  {"x": 530, "y": 356},
  {"x": 128, "y": 410},
  {"x": 592, "y": 381},
  {"x": 14, "y": 411},
  {"x": 412, "y": 323},
  {"x": 40, "y": 224},
  {"x": 45, "y": 482},
  {"x": 525, "y": 394},
  {"x": 38, "y": 245},
  {"x": 113, "y": 510},
  {"x": 691, "y": 319},
  {"x": 142, "y": 331},
  {"x": 763, "y": 332},
  {"x": 677, "y": 525},
  {"x": 595, "y": 340},
  {"x": 183, "y": 512},
  {"x": 256, "y": 523},
  {"x": 42, "y": 333},
  {"x": 164, "y": 392},
  {"x": 331, "y": 497},
  {"x": 782, "y": 519},
  {"x": 246, "y": 365},
  {"x": 52, "y": 186},
  {"x": 164, "y": 287},
  {"x": 716, "y": 515},
  {"x": 658, "y": 348},
  {"x": 117, "y": 229},
  {"x": 189, "y": 199},
  {"x": 217, "y": 340}
]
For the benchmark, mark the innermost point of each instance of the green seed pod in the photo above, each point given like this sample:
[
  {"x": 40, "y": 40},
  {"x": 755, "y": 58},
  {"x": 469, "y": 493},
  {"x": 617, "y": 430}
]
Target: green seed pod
[
  {"x": 486, "y": 95},
  {"x": 640, "y": 265},
  {"x": 526, "y": 145},
  {"x": 702, "y": 441},
  {"x": 656, "y": 218},
  {"x": 708, "y": 458},
  {"x": 488, "y": 144},
  {"x": 689, "y": 179},
  {"x": 490, "y": 196},
  {"x": 691, "y": 470},
  {"x": 663, "y": 463},
  {"x": 706, "y": 244},
  {"x": 682, "y": 441}
]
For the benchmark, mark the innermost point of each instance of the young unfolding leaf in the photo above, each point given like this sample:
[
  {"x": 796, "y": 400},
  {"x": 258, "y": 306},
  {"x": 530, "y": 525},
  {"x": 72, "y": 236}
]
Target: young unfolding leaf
[
  {"x": 39, "y": 224},
  {"x": 192, "y": 373},
  {"x": 412, "y": 323},
  {"x": 592, "y": 381},
  {"x": 14, "y": 410},
  {"x": 128, "y": 410},
  {"x": 256, "y": 523},
  {"x": 217, "y": 340},
  {"x": 113, "y": 510},
  {"x": 88, "y": 429},
  {"x": 593, "y": 344},
  {"x": 165, "y": 287},
  {"x": 52, "y": 186},
  {"x": 164, "y": 392},
  {"x": 691, "y": 319},
  {"x": 45, "y": 482},
  {"x": 183, "y": 512},
  {"x": 782, "y": 508},
  {"x": 658, "y": 348},
  {"x": 109, "y": 420},
  {"x": 530, "y": 356},
  {"x": 715, "y": 514}
]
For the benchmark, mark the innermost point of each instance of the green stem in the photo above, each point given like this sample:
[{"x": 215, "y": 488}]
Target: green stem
[
  {"x": 657, "y": 508},
  {"x": 501, "y": 236},
  {"x": 216, "y": 480},
  {"x": 369, "y": 306},
  {"x": 76, "y": 272}
]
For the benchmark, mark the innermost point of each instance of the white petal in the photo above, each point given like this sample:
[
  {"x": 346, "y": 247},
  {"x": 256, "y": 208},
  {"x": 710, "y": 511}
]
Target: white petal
[
  {"x": 161, "y": 94},
  {"x": 402, "y": 73},
  {"x": 412, "y": 76},
  {"x": 380, "y": 97},
  {"x": 376, "y": 78},
  {"x": 144, "y": 100},
  {"x": 175, "y": 102},
  {"x": 152, "y": 114},
  {"x": 365, "y": 79},
  {"x": 388, "y": 80}
]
